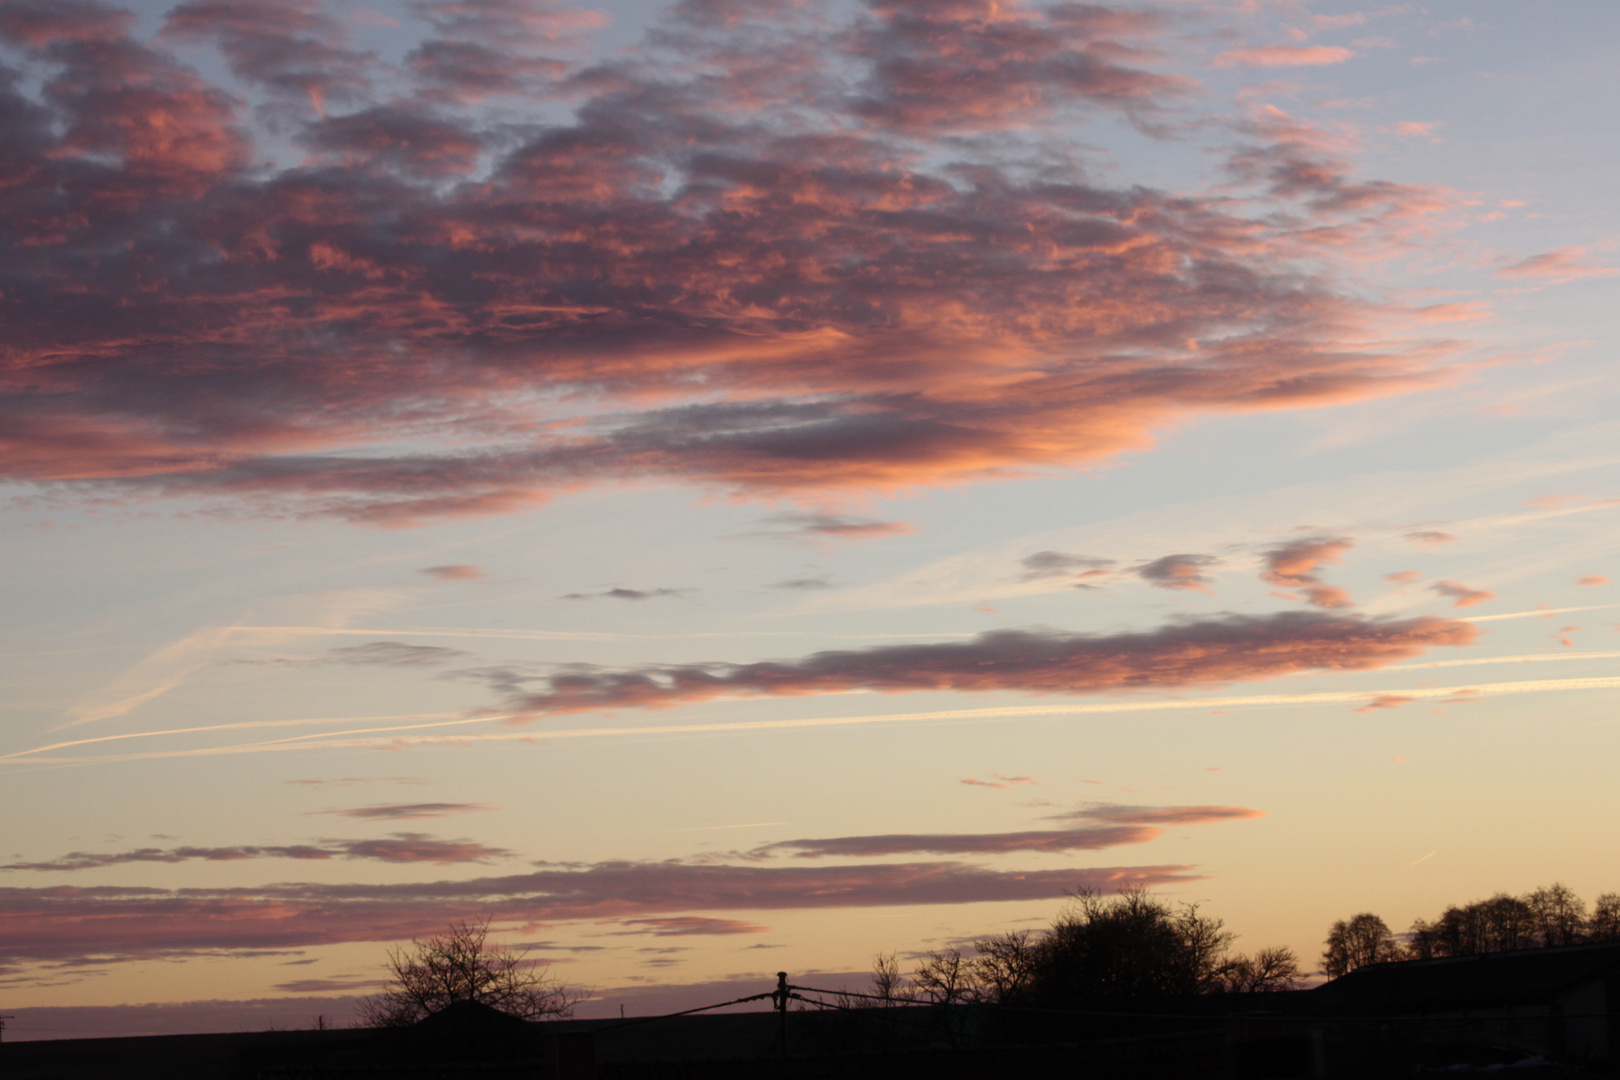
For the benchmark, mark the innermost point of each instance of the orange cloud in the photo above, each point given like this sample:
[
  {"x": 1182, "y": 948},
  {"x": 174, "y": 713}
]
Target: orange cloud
[
  {"x": 1293, "y": 565},
  {"x": 1592, "y": 579},
  {"x": 1462, "y": 594},
  {"x": 1403, "y": 577}
]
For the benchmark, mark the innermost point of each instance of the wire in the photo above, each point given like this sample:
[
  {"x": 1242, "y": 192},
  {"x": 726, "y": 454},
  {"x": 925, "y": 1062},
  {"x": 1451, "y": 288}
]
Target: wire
[{"x": 683, "y": 1012}]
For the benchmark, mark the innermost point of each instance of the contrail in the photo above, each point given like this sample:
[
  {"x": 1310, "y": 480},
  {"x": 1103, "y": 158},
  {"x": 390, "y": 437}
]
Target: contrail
[
  {"x": 563, "y": 635},
  {"x": 1527, "y": 658},
  {"x": 399, "y": 734},
  {"x": 1531, "y": 614}
]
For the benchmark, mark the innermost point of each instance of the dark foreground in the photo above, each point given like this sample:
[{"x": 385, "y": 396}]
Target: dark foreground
[{"x": 850, "y": 1044}]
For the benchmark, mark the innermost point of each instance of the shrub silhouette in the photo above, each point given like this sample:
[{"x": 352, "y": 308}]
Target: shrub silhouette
[{"x": 462, "y": 965}]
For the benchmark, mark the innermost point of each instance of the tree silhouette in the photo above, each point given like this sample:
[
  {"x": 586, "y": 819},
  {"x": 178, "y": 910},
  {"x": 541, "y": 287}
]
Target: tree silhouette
[
  {"x": 1362, "y": 940},
  {"x": 461, "y": 965},
  {"x": 1557, "y": 915},
  {"x": 1004, "y": 968},
  {"x": 945, "y": 977},
  {"x": 1604, "y": 925},
  {"x": 1128, "y": 950},
  {"x": 1267, "y": 971}
]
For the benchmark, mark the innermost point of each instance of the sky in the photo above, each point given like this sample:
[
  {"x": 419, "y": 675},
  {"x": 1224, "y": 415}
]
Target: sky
[{"x": 722, "y": 487}]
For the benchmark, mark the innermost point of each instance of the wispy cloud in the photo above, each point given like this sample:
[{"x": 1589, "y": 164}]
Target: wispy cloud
[
  {"x": 1556, "y": 267},
  {"x": 820, "y": 526},
  {"x": 397, "y": 736},
  {"x": 1050, "y": 564},
  {"x": 453, "y": 573},
  {"x": 1461, "y": 595},
  {"x": 998, "y": 781},
  {"x": 377, "y": 654},
  {"x": 1430, "y": 537},
  {"x": 1178, "y": 572},
  {"x": 404, "y": 847},
  {"x": 408, "y": 811},
  {"x": 690, "y": 925},
  {"x": 1293, "y": 565},
  {"x": 1284, "y": 56},
  {"x": 1181, "y": 654},
  {"x": 1112, "y": 826},
  {"x": 116, "y": 924}
]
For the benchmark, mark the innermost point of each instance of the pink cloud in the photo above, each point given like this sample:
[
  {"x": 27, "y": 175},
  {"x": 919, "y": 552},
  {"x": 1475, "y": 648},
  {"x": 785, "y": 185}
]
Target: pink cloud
[
  {"x": 1120, "y": 825},
  {"x": 1420, "y": 128},
  {"x": 1159, "y": 815},
  {"x": 1233, "y": 647},
  {"x": 1284, "y": 56},
  {"x": 690, "y": 925},
  {"x": 287, "y": 47},
  {"x": 1293, "y": 565},
  {"x": 453, "y": 573},
  {"x": 1044, "y": 840},
  {"x": 500, "y": 22},
  {"x": 1403, "y": 577},
  {"x": 1385, "y": 701},
  {"x": 956, "y": 66},
  {"x": 408, "y": 811},
  {"x": 1178, "y": 572},
  {"x": 998, "y": 782},
  {"x": 1592, "y": 579},
  {"x": 1462, "y": 594},
  {"x": 779, "y": 309},
  {"x": 113, "y": 924},
  {"x": 1050, "y": 564},
  {"x": 1430, "y": 537},
  {"x": 399, "y": 848},
  {"x": 820, "y": 526},
  {"x": 1554, "y": 267}
]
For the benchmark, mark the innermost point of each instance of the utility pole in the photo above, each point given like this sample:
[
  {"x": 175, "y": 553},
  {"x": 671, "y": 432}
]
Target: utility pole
[{"x": 781, "y": 999}]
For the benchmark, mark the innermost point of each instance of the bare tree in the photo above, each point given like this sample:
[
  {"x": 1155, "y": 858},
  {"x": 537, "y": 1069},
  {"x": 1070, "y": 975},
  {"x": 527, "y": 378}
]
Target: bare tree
[
  {"x": 461, "y": 965},
  {"x": 1266, "y": 971},
  {"x": 1004, "y": 968},
  {"x": 1604, "y": 925},
  {"x": 1423, "y": 941},
  {"x": 945, "y": 977},
  {"x": 1557, "y": 915},
  {"x": 888, "y": 983},
  {"x": 1363, "y": 939}
]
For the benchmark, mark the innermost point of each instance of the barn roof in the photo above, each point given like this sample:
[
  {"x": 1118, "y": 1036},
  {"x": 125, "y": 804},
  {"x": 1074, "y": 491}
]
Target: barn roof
[{"x": 1492, "y": 979}]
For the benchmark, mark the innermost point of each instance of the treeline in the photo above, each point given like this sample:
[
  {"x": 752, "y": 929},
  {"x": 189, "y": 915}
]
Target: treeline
[
  {"x": 1539, "y": 919},
  {"x": 1128, "y": 950}
]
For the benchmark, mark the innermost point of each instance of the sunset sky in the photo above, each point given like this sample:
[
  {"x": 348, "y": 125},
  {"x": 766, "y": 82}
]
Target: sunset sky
[{"x": 741, "y": 485}]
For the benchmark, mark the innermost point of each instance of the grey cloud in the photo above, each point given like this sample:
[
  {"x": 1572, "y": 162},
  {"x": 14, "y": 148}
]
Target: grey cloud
[{"x": 1048, "y": 564}]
